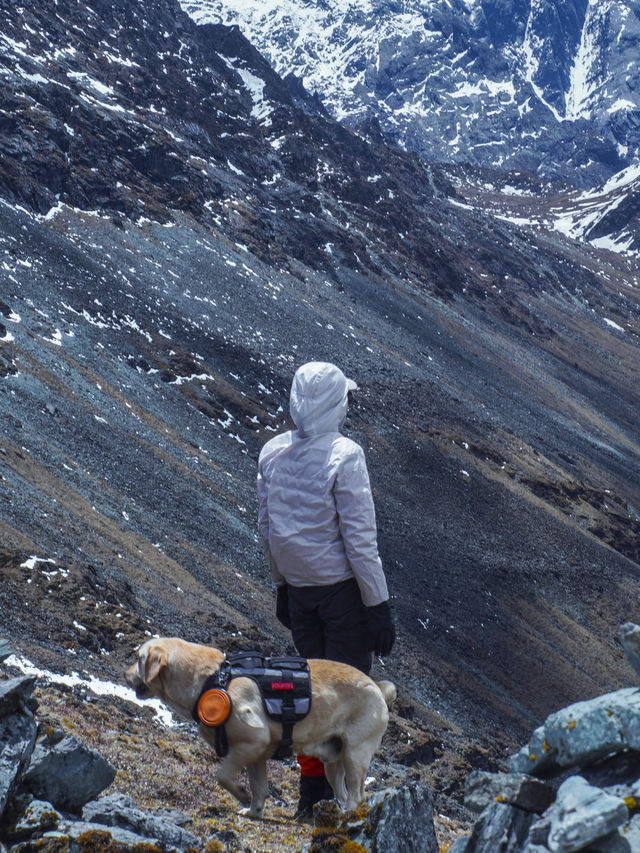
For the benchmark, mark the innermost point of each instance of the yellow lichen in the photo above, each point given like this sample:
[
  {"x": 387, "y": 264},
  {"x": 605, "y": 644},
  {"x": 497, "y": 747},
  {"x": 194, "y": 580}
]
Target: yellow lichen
[
  {"x": 572, "y": 724},
  {"x": 631, "y": 803},
  {"x": 214, "y": 846}
]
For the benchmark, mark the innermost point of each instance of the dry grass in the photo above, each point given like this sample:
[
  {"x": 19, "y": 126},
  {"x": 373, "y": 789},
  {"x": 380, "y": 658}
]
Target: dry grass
[{"x": 173, "y": 768}]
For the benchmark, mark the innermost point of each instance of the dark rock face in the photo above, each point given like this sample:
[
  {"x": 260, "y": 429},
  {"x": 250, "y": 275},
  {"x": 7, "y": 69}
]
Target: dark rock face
[
  {"x": 17, "y": 739},
  {"x": 400, "y": 819},
  {"x": 67, "y": 774}
]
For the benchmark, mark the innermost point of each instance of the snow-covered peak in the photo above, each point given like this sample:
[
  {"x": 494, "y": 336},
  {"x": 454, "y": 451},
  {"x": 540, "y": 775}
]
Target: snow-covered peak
[{"x": 553, "y": 88}]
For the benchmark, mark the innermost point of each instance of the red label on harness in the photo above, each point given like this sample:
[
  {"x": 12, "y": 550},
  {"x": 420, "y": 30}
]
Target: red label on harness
[{"x": 282, "y": 685}]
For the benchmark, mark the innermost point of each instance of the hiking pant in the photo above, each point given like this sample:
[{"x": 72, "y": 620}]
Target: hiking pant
[{"x": 329, "y": 622}]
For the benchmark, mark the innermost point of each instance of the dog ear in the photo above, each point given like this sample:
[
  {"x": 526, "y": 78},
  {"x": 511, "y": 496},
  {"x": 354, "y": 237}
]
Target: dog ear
[{"x": 154, "y": 663}]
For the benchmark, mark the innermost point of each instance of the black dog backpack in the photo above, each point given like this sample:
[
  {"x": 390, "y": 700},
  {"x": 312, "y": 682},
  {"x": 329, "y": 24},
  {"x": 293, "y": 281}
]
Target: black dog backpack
[{"x": 285, "y": 687}]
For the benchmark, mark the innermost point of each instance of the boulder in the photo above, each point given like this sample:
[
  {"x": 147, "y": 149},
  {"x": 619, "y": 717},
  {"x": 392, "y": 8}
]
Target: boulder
[
  {"x": 482, "y": 789},
  {"x": 398, "y": 819},
  {"x": 121, "y": 810},
  {"x": 499, "y": 829},
  {"x": 583, "y": 733},
  {"x": 620, "y": 769},
  {"x": 582, "y": 814},
  {"x": 37, "y": 817},
  {"x": 538, "y": 833},
  {"x": 15, "y": 695},
  {"x": 536, "y": 758},
  {"x": 82, "y": 836},
  {"x": 17, "y": 739},
  {"x": 626, "y": 839},
  {"x": 67, "y": 774}
]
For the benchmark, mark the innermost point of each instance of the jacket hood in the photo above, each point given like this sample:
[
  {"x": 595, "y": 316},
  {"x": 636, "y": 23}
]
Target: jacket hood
[{"x": 318, "y": 401}]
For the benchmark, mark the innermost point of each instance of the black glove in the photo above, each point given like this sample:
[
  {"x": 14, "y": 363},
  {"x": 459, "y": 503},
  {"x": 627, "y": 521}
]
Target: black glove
[
  {"x": 282, "y": 606},
  {"x": 382, "y": 633}
]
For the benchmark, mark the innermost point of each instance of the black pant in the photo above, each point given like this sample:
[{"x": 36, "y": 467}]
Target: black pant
[{"x": 331, "y": 622}]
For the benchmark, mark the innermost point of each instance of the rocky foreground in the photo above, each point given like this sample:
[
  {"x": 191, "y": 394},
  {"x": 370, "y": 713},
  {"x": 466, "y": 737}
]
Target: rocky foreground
[{"x": 574, "y": 787}]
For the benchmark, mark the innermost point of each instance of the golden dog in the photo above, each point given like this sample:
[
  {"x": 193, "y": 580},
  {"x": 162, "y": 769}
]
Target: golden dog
[{"x": 348, "y": 716}]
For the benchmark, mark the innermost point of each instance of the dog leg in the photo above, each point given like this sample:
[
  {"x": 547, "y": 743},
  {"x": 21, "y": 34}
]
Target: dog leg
[
  {"x": 226, "y": 776},
  {"x": 258, "y": 784},
  {"x": 355, "y": 772},
  {"x": 335, "y": 775}
]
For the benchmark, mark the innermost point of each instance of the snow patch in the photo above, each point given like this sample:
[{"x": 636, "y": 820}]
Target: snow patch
[{"x": 95, "y": 685}]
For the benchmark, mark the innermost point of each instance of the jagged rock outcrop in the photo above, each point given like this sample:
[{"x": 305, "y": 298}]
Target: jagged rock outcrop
[
  {"x": 119, "y": 810},
  {"x": 67, "y": 774},
  {"x": 400, "y": 819},
  {"x": 574, "y": 787},
  {"x": 44, "y": 789},
  {"x": 17, "y": 734}
]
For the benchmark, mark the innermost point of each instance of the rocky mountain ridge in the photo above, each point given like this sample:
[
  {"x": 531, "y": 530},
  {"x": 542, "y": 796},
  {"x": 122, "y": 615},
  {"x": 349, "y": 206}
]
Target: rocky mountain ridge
[
  {"x": 179, "y": 230},
  {"x": 545, "y": 87}
]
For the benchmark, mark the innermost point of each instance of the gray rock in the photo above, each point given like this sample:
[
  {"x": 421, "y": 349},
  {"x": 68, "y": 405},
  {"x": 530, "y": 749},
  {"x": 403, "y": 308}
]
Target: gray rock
[
  {"x": 395, "y": 819},
  {"x": 402, "y": 819},
  {"x": 626, "y": 839},
  {"x": 629, "y": 635},
  {"x": 17, "y": 740},
  {"x": 96, "y": 836},
  {"x": 38, "y": 816},
  {"x": 67, "y": 774},
  {"x": 5, "y": 649},
  {"x": 516, "y": 789},
  {"x": 121, "y": 810},
  {"x": 583, "y": 733},
  {"x": 620, "y": 769},
  {"x": 537, "y": 757},
  {"x": 15, "y": 695},
  {"x": 583, "y": 814},
  {"x": 459, "y": 845},
  {"x": 539, "y": 832},
  {"x": 499, "y": 829}
]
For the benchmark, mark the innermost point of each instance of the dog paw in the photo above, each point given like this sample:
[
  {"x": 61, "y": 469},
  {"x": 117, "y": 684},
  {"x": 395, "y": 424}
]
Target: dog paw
[{"x": 256, "y": 814}]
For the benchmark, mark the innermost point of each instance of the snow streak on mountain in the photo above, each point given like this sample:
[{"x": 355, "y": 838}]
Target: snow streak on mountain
[{"x": 549, "y": 87}]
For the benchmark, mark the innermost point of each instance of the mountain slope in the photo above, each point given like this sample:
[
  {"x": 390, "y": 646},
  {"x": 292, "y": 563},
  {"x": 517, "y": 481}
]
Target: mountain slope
[
  {"x": 551, "y": 88},
  {"x": 178, "y": 231}
]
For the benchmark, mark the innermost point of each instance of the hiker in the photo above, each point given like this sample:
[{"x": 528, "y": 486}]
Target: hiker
[{"x": 317, "y": 523}]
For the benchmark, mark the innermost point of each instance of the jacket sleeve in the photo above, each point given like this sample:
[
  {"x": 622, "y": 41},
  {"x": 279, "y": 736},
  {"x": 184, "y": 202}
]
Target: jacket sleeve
[
  {"x": 263, "y": 527},
  {"x": 357, "y": 520}
]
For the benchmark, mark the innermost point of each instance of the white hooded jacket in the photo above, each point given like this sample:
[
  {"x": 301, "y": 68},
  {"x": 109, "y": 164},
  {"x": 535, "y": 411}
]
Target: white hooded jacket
[{"x": 316, "y": 514}]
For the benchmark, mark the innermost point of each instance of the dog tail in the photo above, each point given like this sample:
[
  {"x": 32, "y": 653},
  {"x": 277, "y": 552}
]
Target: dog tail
[{"x": 388, "y": 691}]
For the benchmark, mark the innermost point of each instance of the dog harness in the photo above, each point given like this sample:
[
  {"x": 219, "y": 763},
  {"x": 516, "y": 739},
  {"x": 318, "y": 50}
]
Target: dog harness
[{"x": 285, "y": 687}]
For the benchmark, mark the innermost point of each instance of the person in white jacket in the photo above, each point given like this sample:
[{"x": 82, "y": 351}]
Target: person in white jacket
[{"x": 318, "y": 528}]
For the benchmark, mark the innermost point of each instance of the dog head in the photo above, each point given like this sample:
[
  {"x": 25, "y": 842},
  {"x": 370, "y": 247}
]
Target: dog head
[
  {"x": 172, "y": 670},
  {"x": 152, "y": 660}
]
